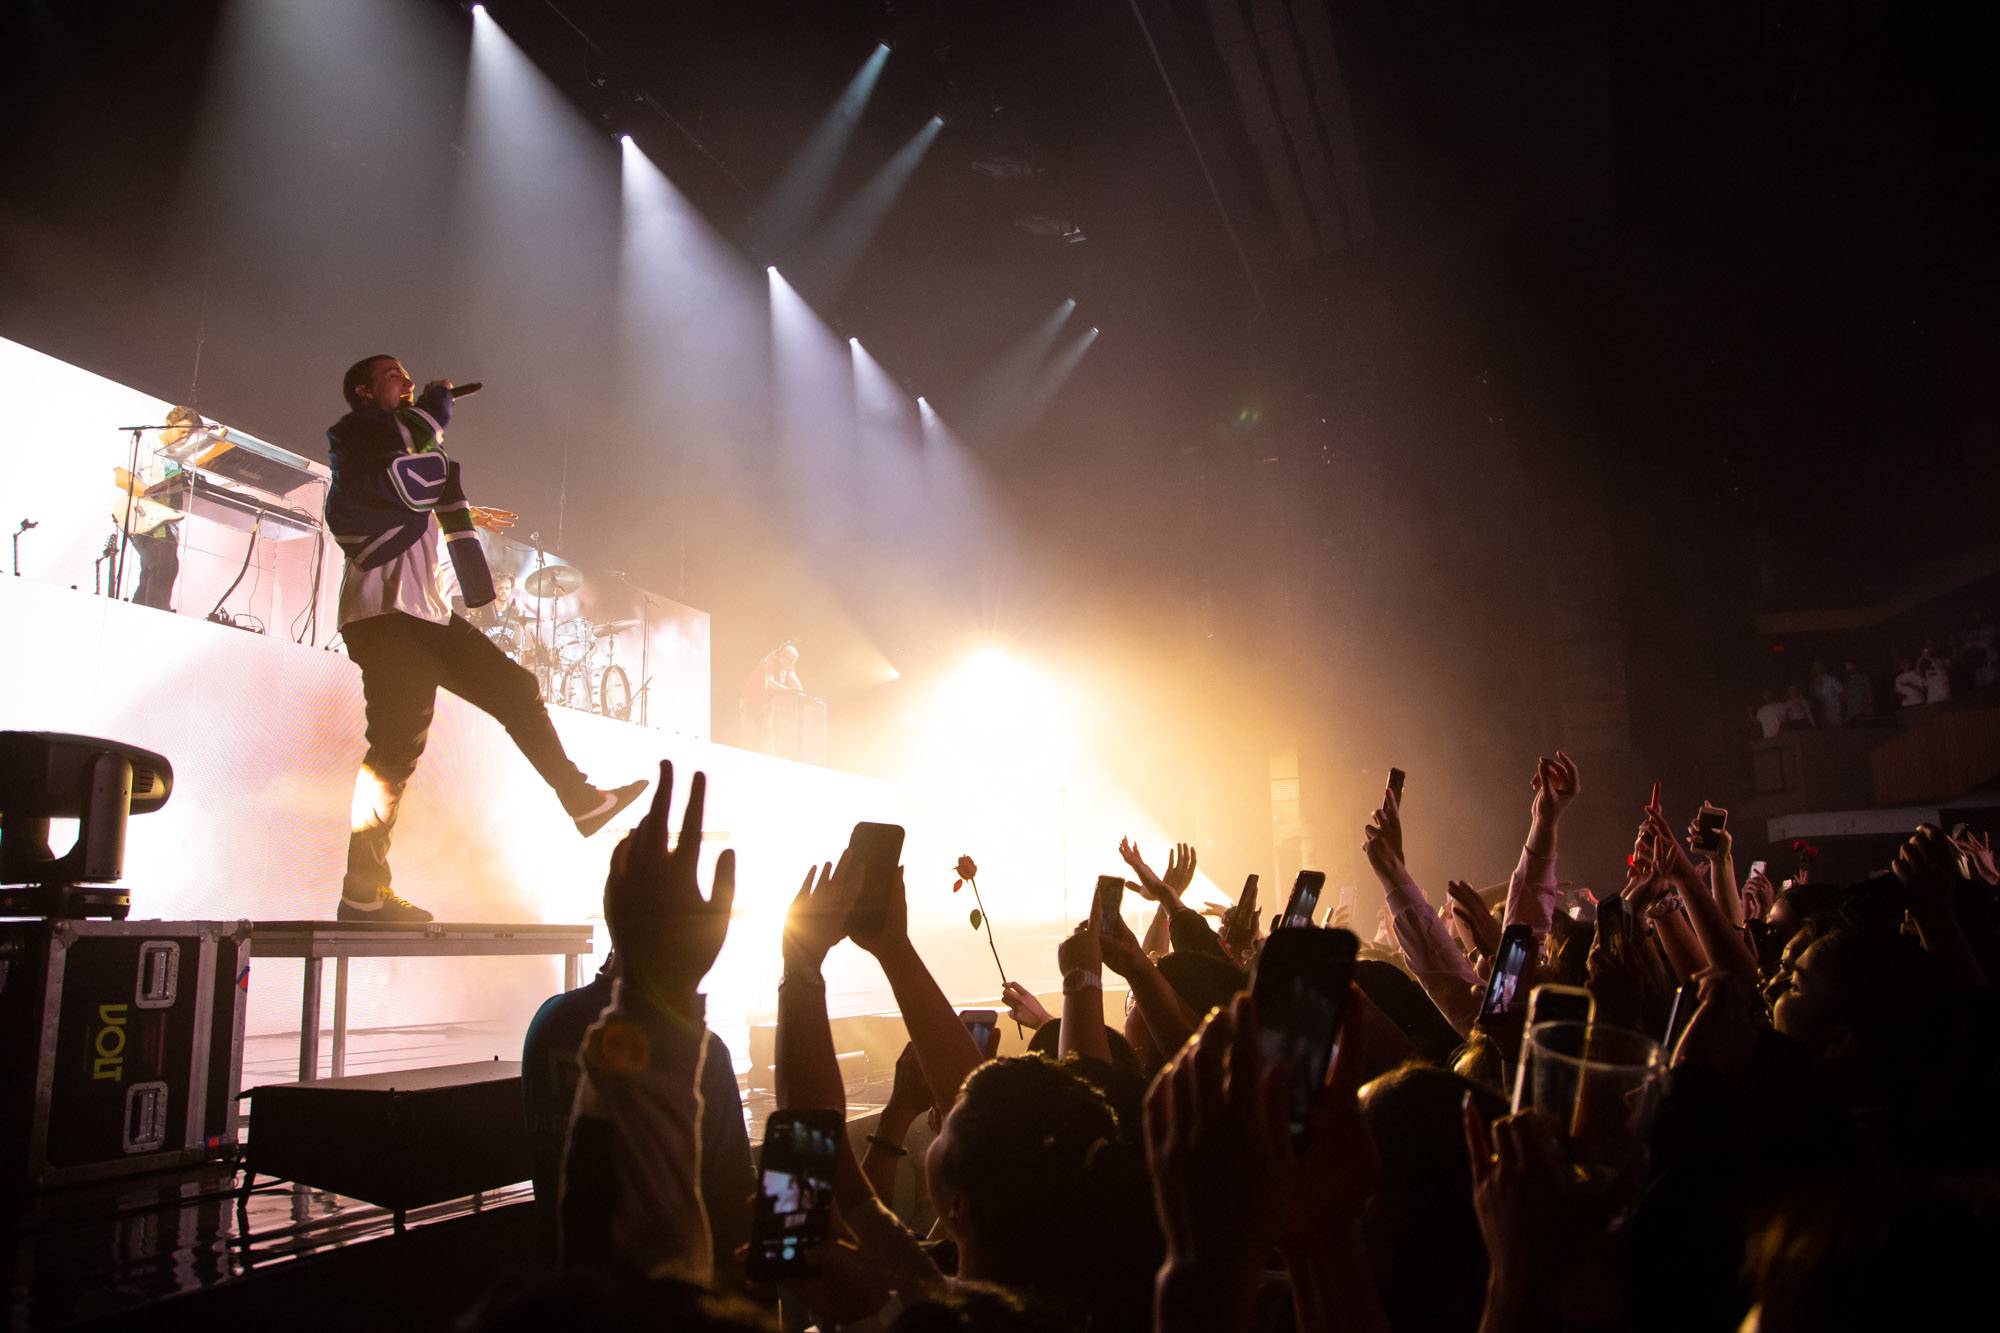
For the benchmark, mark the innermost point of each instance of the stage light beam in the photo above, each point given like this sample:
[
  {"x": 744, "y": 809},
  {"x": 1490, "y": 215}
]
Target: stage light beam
[
  {"x": 831, "y": 256},
  {"x": 1053, "y": 376},
  {"x": 802, "y": 188}
]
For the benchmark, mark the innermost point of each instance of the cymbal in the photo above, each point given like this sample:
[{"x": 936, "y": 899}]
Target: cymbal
[
  {"x": 555, "y": 581},
  {"x": 615, "y": 627}
]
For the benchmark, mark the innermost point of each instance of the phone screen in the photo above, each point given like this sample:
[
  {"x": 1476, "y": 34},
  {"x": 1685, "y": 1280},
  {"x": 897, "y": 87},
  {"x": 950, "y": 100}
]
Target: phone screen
[
  {"x": 1110, "y": 896},
  {"x": 1396, "y": 785},
  {"x": 1301, "y": 987},
  {"x": 1511, "y": 960},
  {"x": 880, "y": 847},
  {"x": 1708, "y": 821},
  {"x": 794, "y": 1204},
  {"x": 983, "y": 1024},
  {"x": 1305, "y": 898}
]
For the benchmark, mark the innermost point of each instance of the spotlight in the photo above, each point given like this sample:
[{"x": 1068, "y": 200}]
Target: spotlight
[
  {"x": 1070, "y": 302},
  {"x": 771, "y": 269},
  {"x": 477, "y": 9},
  {"x": 1093, "y": 328},
  {"x": 625, "y": 139},
  {"x": 854, "y": 342}
]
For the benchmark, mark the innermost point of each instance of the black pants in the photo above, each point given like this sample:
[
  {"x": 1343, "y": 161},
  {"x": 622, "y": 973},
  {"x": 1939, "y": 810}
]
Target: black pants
[
  {"x": 403, "y": 662},
  {"x": 159, "y": 565}
]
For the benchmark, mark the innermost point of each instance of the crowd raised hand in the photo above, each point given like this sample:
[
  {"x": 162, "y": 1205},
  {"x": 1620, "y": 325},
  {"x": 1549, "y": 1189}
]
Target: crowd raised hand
[{"x": 1063, "y": 1212}]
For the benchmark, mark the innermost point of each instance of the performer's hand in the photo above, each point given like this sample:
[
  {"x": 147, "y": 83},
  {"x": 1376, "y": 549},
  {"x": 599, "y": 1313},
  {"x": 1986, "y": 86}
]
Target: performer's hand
[
  {"x": 493, "y": 520},
  {"x": 446, "y": 385}
]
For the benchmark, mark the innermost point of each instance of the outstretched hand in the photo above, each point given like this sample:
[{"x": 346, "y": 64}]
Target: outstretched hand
[
  {"x": 1388, "y": 821},
  {"x": 666, "y": 933},
  {"x": 1927, "y": 867},
  {"x": 1122, "y": 951},
  {"x": 1180, "y": 869},
  {"x": 1978, "y": 851},
  {"x": 818, "y": 916},
  {"x": 1150, "y": 883},
  {"x": 1671, "y": 859},
  {"x": 1227, "y": 1179},
  {"x": 1556, "y": 784},
  {"x": 1023, "y": 1005},
  {"x": 492, "y": 519},
  {"x": 1472, "y": 913},
  {"x": 895, "y": 928}
]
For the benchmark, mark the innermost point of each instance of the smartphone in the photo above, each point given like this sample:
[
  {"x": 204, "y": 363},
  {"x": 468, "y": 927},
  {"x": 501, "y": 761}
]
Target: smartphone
[
  {"x": 1686, "y": 999},
  {"x": 1237, "y": 933},
  {"x": 984, "y": 1025},
  {"x": 1110, "y": 897},
  {"x": 1510, "y": 960},
  {"x": 1757, "y": 868},
  {"x": 1300, "y": 982},
  {"x": 880, "y": 847},
  {"x": 1396, "y": 786},
  {"x": 1299, "y": 908},
  {"x": 794, "y": 1205},
  {"x": 1708, "y": 822},
  {"x": 1550, "y": 1003},
  {"x": 1614, "y": 927}
]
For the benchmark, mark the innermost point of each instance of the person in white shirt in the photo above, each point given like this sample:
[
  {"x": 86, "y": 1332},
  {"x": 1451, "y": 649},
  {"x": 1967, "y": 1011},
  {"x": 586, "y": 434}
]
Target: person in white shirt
[
  {"x": 1909, "y": 684},
  {"x": 1937, "y": 679},
  {"x": 1770, "y": 716}
]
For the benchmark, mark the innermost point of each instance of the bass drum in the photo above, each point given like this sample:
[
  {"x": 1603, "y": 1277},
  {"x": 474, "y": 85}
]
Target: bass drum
[
  {"x": 572, "y": 689},
  {"x": 614, "y": 694}
]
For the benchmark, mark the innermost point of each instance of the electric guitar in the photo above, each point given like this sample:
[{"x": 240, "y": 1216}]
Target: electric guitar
[{"x": 147, "y": 515}]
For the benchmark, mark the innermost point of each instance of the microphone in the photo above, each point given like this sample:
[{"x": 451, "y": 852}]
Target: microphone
[
  {"x": 467, "y": 390},
  {"x": 26, "y": 524}
]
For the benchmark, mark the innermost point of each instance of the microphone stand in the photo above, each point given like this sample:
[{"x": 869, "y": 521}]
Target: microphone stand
[
  {"x": 125, "y": 527},
  {"x": 26, "y": 523}
]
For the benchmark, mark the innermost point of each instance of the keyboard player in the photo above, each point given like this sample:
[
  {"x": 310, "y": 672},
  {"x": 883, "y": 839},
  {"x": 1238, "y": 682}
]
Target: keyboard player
[{"x": 155, "y": 527}]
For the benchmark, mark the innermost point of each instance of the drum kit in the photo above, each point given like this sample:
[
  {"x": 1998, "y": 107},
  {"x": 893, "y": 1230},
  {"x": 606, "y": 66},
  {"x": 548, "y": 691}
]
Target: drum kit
[{"x": 564, "y": 654}]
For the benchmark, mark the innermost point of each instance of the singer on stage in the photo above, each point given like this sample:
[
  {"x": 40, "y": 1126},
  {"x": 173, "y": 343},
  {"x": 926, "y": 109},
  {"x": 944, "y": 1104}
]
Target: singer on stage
[{"x": 390, "y": 481}]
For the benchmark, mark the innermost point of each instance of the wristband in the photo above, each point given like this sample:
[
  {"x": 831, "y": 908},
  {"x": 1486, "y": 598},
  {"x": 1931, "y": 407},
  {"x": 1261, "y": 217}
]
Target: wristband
[
  {"x": 1080, "y": 978},
  {"x": 886, "y": 1146}
]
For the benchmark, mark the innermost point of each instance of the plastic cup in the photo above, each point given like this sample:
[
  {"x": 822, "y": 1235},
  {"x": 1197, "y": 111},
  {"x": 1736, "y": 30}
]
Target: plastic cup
[{"x": 1599, "y": 1084}]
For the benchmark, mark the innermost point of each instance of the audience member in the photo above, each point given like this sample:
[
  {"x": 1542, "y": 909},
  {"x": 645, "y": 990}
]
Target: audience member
[{"x": 1808, "y": 1133}]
